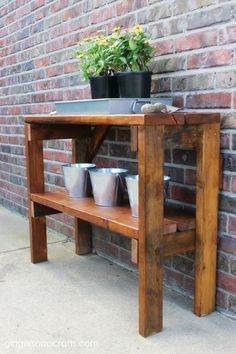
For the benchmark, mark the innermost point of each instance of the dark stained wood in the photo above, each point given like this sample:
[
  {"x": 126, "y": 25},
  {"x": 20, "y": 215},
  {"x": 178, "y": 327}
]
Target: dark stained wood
[
  {"x": 41, "y": 210},
  {"x": 134, "y": 138},
  {"x": 127, "y": 119},
  {"x": 175, "y": 243},
  {"x": 151, "y": 160},
  {"x": 179, "y": 242},
  {"x": 206, "y": 219},
  {"x": 118, "y": 219},
  {"x": 57, "y": 131},
  {"x": 134, "y": 251},
  {"x": 202, "y": 118},
  {"x": 185, "y": 137},
  {"x": 35, "y": 183},
  {"x": 152, "y": 235},
  {"x": 82, "y": 230}
]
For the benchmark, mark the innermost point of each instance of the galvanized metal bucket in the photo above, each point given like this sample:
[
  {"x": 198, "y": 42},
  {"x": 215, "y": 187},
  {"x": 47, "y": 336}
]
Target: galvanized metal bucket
[
  {"x": 76, "y": 179},
  {"x": 108, "y": 185},
  {"x": 132, "y": 186}
]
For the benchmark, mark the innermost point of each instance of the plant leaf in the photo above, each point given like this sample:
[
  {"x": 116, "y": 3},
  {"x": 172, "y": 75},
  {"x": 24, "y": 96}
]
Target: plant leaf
[{"x": 132, "y": 44}]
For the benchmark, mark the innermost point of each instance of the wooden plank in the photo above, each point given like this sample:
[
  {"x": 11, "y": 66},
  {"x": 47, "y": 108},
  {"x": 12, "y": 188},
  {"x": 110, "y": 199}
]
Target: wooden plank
[
  {"x": 151, "y": 160},
  {"x": 118, "y": 219},
  {"x": 202, "y": 118},
  {"x": 179, "y": 242},
  {"x": 183, "y": 137},
  {"x": 57, "y": 131},
  {"x": 82, "y": 231},
  {"x": 175, "y": 243},
  {"x": 35, "y": 183},
  {"x": 206, "y": 219},
  {"x": 41, "y": 210},
  {"x": 134, "y": 138},
  {"x": 178, "y": 118},
  {"x": 134, "y": 251}
]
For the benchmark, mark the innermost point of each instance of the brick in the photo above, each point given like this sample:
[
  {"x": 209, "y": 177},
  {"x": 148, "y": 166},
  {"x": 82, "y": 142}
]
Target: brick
[
  {"x": 182, "y": 6},
  {"x": 226, "y": 79},
  {"x": 189, "y": 286},
  {"x": 222, "y": 222},
  {"x": 190, "y": 176},
  {"x": 226, "y": 183},
  {"x": 168, "y": 65},
  {"x": 227, "y": 35},
  {"x": 209, "y": 100},
  {"x": 232, "y": 304},
  {"x": 121, "y": 241},
  {"x": 193, "y": 82},
  {"x": 227, "y": 282},
  {"x": 154, "y": 14},
  {"x": 176, "y": 174},
  {"x": 227, "y": 203},
  {"x": 210, "y": 17},
  {"x": 178, "y": 101},
  {"x": 196, "y": 41},
  {"x": 228, "y": 244},
  {"x": 233, "y": 266},
  {"x": 225, "y": 141},
  {"x": 229, "y": 162},
  {"x": 184, "y": 157},
  {"x": 183, "y": 194},
  {"x": 123, "y": 135},
  {"x": 210, "y": 59},
  {"x": 161, "y": 85},
  {"x": 124, "y": 7},
  {"x": 183, "y": 265},
  {"x": 164, "y": 47},
  {"x": 223, "y": 262},
  {"x": 232, "y": 225},
  {"x": 106, "y": 248},
  {"x": 233, "y": 184},
  {"x": 221, "y": 299},
  {"x": 174, "y": 279},
  {"x": 118, "y": 150}
]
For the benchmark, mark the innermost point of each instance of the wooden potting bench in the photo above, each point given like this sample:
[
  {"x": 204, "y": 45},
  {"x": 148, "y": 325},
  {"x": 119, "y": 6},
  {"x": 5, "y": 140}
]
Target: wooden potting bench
[{"x": 153, "y": 235}]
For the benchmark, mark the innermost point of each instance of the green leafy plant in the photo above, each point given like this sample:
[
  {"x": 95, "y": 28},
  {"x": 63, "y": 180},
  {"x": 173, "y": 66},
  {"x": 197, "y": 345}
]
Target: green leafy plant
[
  {"x": 131, "y": 49},
  {"x": 94, "y": 56},
  {"x": 123, "y": 50}
]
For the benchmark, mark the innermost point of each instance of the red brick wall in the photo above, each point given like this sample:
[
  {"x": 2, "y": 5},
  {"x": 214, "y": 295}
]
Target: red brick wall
[{"x": 195, "y": 65}]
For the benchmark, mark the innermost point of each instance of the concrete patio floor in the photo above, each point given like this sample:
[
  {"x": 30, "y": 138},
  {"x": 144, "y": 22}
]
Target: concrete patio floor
[{"x": 85, "y": 304}]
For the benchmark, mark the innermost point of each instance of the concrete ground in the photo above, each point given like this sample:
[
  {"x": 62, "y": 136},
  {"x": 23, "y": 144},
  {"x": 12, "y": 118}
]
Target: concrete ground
[{"x": 85, "y": 304}]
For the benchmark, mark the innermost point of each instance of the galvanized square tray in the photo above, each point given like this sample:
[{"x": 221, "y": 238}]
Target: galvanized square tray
[{"x": 107, "y": 105}]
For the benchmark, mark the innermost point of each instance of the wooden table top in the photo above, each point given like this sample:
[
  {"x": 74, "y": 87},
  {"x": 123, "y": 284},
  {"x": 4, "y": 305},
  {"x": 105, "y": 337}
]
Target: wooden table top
[{"x": 177, "y": 118}]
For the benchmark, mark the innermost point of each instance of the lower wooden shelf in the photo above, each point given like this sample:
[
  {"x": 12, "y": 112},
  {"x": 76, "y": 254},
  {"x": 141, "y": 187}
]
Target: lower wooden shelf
[{"x": 178, "y": 226}]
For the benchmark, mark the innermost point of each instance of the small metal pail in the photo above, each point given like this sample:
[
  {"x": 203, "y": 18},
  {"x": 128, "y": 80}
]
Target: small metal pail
[
  {"x": 132, "y": 186},
  {"x": 107, "y": 185},
  {"x": 76, "y": 178}
]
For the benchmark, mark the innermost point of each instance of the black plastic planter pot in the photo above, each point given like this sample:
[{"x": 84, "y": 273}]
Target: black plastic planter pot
[
  {"x": 104, "y": 87},
  {"x": 134, "y": 84}
]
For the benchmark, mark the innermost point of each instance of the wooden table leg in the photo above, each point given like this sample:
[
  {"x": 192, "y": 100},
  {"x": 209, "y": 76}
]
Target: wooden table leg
[
  {"x": 83, "y": 230},
  {"x": 208, "y": 150},
  {"x": 84, "y": 150},
  {"x": 35, "y": 180},
  {"x": 151, "y": 159}
]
